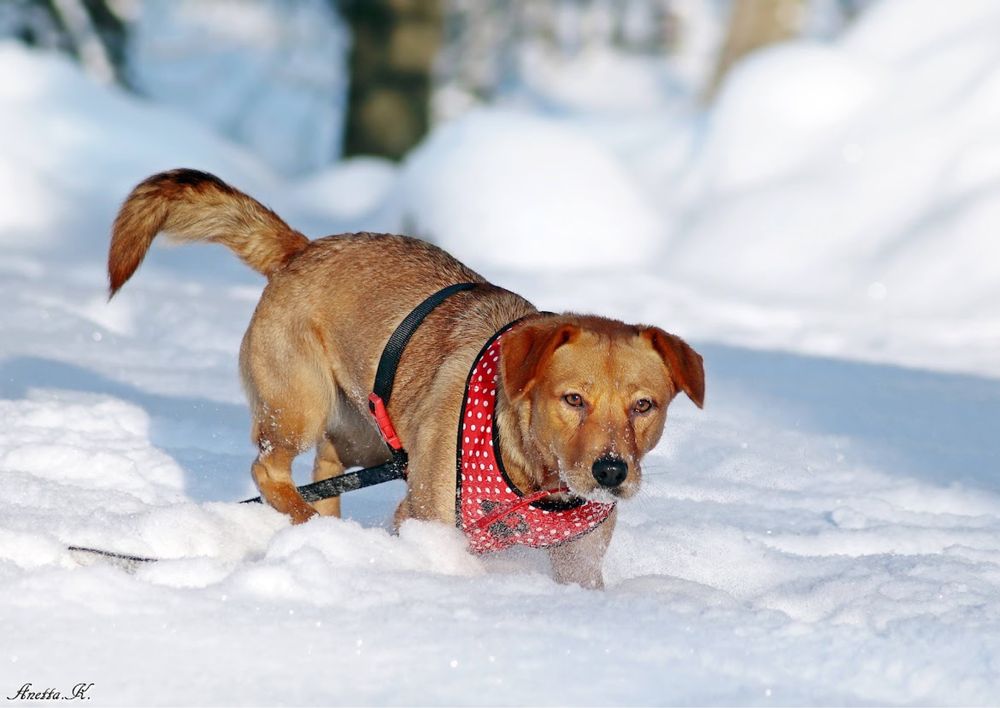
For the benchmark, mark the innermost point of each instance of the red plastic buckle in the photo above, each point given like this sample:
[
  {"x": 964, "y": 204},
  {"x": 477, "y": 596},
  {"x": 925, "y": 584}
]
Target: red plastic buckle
[{"x": 377, "y": 407}]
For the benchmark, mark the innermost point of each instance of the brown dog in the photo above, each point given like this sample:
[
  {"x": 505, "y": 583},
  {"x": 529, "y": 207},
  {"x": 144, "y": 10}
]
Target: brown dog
[{"x": 574, "y": 392}]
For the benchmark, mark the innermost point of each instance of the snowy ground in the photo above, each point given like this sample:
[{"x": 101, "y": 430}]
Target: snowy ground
[{"x": 826, "y": 531}]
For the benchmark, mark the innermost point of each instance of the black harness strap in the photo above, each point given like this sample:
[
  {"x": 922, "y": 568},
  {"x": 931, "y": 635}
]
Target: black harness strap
[{"x": 385, "y": 376}]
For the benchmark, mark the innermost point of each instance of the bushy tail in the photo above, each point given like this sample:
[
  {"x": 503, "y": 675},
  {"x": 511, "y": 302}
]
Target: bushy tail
[{"x": 195, "y": 206}]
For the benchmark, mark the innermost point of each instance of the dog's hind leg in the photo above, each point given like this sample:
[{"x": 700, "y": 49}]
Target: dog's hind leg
[
  {"x": 284, "y": 426},
  {"x": 272, "y": 471},
  {"x": 290, "y": 402}
]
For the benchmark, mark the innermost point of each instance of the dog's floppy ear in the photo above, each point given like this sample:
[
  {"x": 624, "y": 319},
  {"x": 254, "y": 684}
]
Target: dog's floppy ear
[
  {"x": 526, "y": 350},
  {"x": 684, "y": 364}
]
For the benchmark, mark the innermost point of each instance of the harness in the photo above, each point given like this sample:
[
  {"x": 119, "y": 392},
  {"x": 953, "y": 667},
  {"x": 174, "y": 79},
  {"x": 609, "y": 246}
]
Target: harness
[{"x": 489, "y": 508}]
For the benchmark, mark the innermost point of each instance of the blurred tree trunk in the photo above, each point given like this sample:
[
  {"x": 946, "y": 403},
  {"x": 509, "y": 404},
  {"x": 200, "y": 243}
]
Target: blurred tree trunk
[
  {"x": 394, "y": 43},
  {"x": 754, "y": 24}
]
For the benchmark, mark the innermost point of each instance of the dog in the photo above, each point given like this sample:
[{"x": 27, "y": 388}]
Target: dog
[{"x": 579, "y": 399}]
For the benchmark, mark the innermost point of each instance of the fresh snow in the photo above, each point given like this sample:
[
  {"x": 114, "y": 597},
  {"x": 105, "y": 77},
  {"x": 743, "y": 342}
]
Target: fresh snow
[
  {"x": 271, "y": 75},
  {"x": 826, "y": 531},
  {"x": 533, "y": 192}
]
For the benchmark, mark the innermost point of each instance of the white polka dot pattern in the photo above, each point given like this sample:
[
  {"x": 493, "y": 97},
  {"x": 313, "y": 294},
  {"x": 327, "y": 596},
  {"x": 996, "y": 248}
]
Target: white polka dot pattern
[{"x": 484, "y": 488}]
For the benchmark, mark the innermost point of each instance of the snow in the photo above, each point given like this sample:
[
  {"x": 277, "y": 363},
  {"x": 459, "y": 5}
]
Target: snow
[
  {"x": 270, "y": 75},
  {"x": 356, "y": 193},
  {"x": 824, "y": 532},
  {"x": 779, "y": 108},
  {"x": 516, "y": 190},
  {"x": 60, "y": 132},
  {"x": 929, "y": 25},
  {"x": 598, "y": 80}
]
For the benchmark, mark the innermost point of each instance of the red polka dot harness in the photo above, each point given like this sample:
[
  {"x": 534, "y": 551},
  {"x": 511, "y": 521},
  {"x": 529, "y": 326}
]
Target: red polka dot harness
[{"x": 490, "y": 509}]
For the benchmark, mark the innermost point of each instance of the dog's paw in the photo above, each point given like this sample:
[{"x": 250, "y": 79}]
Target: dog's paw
[{"x": 302, "y": 514}]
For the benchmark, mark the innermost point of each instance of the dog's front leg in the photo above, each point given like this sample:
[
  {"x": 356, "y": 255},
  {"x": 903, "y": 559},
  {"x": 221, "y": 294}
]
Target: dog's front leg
[
  {"x": 580, "y": 561},
  {"x": 326, "y": 466},
  {"x": 430, "y": 484}
]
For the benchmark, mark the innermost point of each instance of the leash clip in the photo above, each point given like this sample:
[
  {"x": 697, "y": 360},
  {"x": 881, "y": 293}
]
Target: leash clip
[{"x": 385, "y": 427}]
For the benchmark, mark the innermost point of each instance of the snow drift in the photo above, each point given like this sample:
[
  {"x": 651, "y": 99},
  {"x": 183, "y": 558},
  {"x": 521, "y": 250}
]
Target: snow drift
[
  {"x": 863, "y": 169},
  {"x": 507, "y": 189}
]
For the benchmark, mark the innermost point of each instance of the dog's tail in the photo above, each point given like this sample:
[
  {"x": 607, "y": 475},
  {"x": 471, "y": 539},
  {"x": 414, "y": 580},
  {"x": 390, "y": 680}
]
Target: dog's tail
[{"x": 195, "y": 206}]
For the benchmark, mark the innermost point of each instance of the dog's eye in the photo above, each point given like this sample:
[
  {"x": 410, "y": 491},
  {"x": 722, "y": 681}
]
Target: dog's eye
[
  {"x": 643, "y": 405},
  {"x": 574, "y": 399}
]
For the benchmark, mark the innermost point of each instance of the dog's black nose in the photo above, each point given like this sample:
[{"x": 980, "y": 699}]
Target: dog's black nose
[{"x": 609, "y": 471}]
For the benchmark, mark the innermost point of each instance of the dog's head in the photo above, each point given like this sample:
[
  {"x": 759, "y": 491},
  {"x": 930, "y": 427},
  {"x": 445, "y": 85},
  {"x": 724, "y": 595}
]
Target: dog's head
[{"x": 589, "y": 396}]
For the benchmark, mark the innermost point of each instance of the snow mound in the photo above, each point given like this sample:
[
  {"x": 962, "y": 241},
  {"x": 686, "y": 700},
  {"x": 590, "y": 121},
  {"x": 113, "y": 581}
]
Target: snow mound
[
  {"x": 85, "y": 441},
  {"x": 930, "y": 27},
  {"x": 498, "y": 188},
  {"x": 83, "y": 471},
  {"x": 70, "y": 150},
  {"x": 597, "y": 80},
  {"x": 357, "y": 194},
  {"x": 855, "y": 179},
  {"x": 779, "y": 108}
]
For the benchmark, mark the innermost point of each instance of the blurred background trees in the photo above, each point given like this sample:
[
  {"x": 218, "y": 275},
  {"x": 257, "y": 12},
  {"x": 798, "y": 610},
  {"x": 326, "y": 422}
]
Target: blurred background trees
[
  {"x": 91, "y": 31},
  {"x": 753, "y": 25},
  {"x": 305, "y": 82}
]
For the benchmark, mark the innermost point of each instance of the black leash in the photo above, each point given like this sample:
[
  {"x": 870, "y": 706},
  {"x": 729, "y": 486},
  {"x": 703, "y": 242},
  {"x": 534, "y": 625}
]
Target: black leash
[
  {"x": 347, "y": 482},
  {"x": 127, "y": 561}
]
